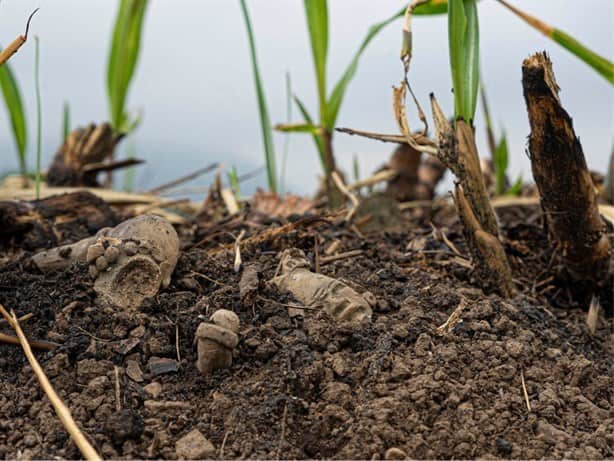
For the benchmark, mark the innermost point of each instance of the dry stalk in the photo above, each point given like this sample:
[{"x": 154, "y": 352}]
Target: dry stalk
[
  {"x": 238, "y": 261},
  {"x": 568, "y": 195},
  {"x": 60, "y": 408},
  {"x": 524, "y": 391},
  {"x": 14, "y": 46},
  {"x": 458, "y": 151},
  {"x": 40, "y": 345}
]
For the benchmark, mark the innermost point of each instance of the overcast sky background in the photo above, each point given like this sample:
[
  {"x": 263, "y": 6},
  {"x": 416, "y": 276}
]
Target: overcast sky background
[{"x": 195, "y": 88}]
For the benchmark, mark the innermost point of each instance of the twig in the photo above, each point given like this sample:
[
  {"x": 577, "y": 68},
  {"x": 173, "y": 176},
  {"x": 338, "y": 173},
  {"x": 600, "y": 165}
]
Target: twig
[
  {"x": 347, "y": 254},
  {"x": 23, "y": 318},
  {"x": 524, "y": 390},
  {"x": 344, "y": 190},
  {"x": 61, "y": 410},
  {"x": 282, "y": 435},
  {"x": 14, "y": 46},
  {"x": 238, "y": 261},
  {"x": 395, "y": 138},
  {"x": 177, "y": 342},
  {"x": 182, "y": 179},
  {"x": 224, "y": 445},
  {"x": 118, "y": 402},
  {"x": 110, "y": 166},
  {"x": 40, "y": 345},
  {"x": 378, "y": 177}
]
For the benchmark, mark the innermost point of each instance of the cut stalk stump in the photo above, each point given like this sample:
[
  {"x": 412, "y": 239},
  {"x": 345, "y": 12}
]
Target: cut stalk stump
[{"x": 568, "y": 195}]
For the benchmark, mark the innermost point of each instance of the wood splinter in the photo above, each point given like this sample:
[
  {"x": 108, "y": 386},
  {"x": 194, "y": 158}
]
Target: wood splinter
[
  {"x": 14, "y": 46},
  {"x": 568, "y": 195}
]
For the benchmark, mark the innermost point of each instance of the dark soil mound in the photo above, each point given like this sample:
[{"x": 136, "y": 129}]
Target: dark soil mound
[{"x": 305, "y": 386}]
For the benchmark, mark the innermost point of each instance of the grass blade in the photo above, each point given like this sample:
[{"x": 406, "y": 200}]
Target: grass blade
[
  {"x": 336, "y": 97},
  {"x": 265, "y": 121},
  {"x": 500, "y": 162},
  {"x": 430, "y": 8},
  {"x": 600, "y": 64},
  {"x": 308, "y": 119},
  {"x": 316, "y": 12},
  {"x": 15, "y": 109},
  {"x": 39, "y": 121},
  {"x": 123, "y": 58},
  {"x": 463, "y": 37},
  {"x": 282, "y": 178},
  {"x": 298, "y": 128},
  {"x": 65, "y": 121}
]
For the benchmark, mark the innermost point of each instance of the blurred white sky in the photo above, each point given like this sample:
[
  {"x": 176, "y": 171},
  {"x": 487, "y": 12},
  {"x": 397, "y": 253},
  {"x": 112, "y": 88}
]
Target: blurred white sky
[{"x": 194, "y": 82}]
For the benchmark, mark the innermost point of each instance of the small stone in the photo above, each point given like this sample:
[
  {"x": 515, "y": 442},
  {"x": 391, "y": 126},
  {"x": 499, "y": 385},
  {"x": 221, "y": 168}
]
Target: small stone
[
  {"x": 94, "y": 252},
  {"x": 395, "y": 453},
  {"x": 514, "y": 348},
  {"x": 111, "y": 254},
  {"x": 101, "y": 263},
  {"x": 123, "y": 425},
  {"x": 153, "y": 389},
  {"x": 138, "y": 332},
  {"x": 124, "y": 346},
  {"x": 503, "y": 446},
  {"x": 133, "y": 370},
  {"x": 160, "y": 365},
  {"x": 194, "y": 445},
  {"x": 92, "y": 271}
]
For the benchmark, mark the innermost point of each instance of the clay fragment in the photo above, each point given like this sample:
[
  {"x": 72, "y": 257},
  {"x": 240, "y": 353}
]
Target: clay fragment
[
  {"x": 318, "y": 290},
  {"x": 216, "y": 341},
  {"x": 129, "y": 262}
]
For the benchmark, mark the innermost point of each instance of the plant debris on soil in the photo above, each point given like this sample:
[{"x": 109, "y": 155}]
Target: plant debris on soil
[{"x": 441, "y": 370}]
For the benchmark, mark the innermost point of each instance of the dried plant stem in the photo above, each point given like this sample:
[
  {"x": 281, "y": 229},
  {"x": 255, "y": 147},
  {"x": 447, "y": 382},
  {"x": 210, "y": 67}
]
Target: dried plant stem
[
  {"x": 61, "y": 410},
  {"x": 14, "y": 46},
  {"x": 458, "y": 151},
  {"x": 568, "y": 195}
]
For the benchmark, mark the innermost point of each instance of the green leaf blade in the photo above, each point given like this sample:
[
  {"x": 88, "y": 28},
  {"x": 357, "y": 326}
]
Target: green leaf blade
[
  {"x": 15, "y": 109},
  {"x": 316, "y": 12},
  {"x": 501, "y": 161},
  {"x": 316, "y": 139},
  {"x": 601, "y": 65},
  {"x": 123, "y": 58},
  {"x": 338, "y": 93},
  {"x": 463, "y": 36},
  {"x": 265, "y": 121}
]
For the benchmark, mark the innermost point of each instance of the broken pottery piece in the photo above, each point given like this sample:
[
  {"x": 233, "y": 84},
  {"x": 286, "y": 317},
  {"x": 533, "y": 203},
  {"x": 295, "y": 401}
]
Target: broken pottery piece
[
  {"x": 317, "y": 290},
  {"x": 216, "y": 341},
  {"x": 129, "y": 262}
]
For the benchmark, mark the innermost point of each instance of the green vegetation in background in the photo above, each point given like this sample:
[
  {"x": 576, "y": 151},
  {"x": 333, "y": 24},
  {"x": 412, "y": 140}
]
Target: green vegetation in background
[
  {"x": 316, "y": 12},
  {"x": 65, "y": 121},
  {"x": 265, "y": 121},
  {"x": 39, "y": 121},
  {"x": 284, "y": 158},
  {"x": 16, "y": 113},
  {"x": 600, "y": 64},
  {"x": 123, "y": 57}
]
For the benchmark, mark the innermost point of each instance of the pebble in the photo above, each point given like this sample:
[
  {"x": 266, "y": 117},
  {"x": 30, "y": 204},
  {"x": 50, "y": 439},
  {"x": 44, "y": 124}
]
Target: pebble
[
  {"x": 153, "y": 389},
  {"x": 395, "y": 454},
  {"x": 194, "y": 445},
  {"x": 133, "y": 370},
  {"x": 160, "y": 365}
]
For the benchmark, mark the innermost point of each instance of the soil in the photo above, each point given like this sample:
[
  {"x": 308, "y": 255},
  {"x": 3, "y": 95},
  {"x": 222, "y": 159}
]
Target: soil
[{"x": 303, "y": 386}]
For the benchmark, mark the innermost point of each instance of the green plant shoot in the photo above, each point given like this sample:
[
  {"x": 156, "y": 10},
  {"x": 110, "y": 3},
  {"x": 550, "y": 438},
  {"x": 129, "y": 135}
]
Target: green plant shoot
[
  {"x": 265, "y": 122},
  {"x": 123, "y": 57},
  {"x": 463, "y": 35},
  {"x": 65, "y": 121},
  {"x": 16, "y": 113}
]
